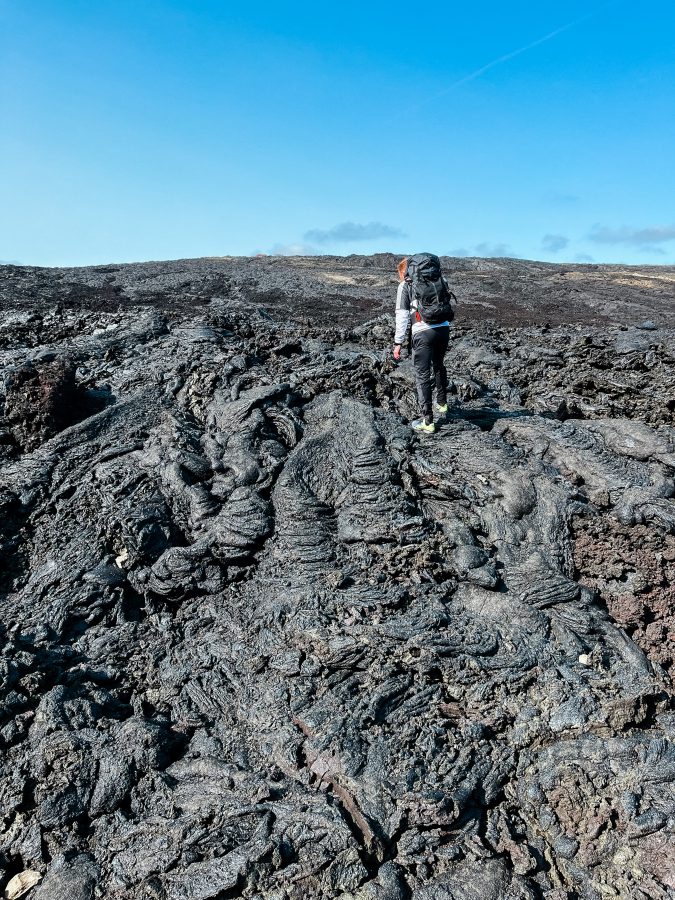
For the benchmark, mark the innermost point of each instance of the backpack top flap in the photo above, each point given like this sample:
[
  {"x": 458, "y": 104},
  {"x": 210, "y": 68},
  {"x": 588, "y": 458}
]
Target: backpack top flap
[{"x": 424, "y": 266}]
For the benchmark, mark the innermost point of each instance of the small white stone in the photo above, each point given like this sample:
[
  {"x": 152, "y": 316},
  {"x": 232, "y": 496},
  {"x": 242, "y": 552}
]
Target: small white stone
[
  {"x": 21, "y": 884},
  {"x": 122, "y": 558},
  {"x": 585, "y": 659}
]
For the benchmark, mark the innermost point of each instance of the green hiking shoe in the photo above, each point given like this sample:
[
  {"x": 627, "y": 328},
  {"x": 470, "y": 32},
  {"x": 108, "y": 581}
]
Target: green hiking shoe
[
  {"x": 441, "y": 409},
  {"x": 423, "y": 425}
]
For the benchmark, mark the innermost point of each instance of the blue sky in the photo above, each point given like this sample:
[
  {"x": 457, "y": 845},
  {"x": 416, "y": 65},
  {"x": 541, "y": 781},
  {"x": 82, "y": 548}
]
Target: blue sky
[{"x": 156, "y": 130}]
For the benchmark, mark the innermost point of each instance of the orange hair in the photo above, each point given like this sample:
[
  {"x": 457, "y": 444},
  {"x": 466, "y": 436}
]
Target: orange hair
[{"x": 402, "y": 266}]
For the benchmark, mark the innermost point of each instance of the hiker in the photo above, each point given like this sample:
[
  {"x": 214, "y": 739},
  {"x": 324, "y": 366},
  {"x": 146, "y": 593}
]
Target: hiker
[{"x": 424, "y": 294}]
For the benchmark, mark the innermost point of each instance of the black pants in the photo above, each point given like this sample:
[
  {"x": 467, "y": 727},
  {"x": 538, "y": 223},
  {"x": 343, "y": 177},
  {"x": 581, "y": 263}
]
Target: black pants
[{"x": 428, "y": 349}]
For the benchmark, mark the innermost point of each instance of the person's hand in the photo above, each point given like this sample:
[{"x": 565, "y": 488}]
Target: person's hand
[{"x": 397, "y": 352}]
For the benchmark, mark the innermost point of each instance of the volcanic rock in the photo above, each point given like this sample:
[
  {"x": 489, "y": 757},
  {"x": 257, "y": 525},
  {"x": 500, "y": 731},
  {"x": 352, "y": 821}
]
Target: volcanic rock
[{"x": 259, "y": 640}]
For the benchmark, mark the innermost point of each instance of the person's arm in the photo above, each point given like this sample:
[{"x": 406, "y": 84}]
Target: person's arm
[{"x": 402, "y": 317}]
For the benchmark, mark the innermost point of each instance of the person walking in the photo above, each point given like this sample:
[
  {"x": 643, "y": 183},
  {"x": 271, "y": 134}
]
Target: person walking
[{"x": 424, "y": 296}]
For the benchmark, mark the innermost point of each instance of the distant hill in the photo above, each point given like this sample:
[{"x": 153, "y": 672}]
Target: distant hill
[{"x": 354, "y": 288}]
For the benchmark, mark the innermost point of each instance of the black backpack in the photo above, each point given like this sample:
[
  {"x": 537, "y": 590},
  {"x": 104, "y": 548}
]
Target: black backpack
[{"x": 429, "y": 290}]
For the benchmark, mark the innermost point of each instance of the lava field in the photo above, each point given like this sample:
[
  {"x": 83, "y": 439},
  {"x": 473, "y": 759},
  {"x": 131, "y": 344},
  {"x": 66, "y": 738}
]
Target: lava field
[{"x": 259, "y": 640}]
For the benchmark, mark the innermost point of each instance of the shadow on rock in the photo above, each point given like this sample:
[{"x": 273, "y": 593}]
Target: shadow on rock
[{"x": 43, "y": 397}]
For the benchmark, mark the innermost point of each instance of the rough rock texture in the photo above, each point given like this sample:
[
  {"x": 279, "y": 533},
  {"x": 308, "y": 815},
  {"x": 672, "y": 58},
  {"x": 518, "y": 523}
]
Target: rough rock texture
[{"x": 257, "y": 640}]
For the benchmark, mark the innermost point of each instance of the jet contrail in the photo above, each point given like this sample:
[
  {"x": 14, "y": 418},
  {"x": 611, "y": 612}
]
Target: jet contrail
[{"x": 507, "y": 56}]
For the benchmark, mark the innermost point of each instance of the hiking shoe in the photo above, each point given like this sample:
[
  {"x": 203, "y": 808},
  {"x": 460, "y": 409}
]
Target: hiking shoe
[
  {"x": 441, "y": 409},
  {"x": 423, "y": 425}
]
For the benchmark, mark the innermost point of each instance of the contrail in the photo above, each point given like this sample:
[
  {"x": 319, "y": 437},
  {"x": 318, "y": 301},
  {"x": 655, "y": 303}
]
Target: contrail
[{"x": 507, "y": 56}]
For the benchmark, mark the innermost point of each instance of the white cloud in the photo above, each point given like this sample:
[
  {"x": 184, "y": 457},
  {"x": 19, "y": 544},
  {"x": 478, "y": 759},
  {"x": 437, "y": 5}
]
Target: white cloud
[
  {"x": 553, "y": 243},
  {"x": 293, "y": 250},
  {"x": 649, "y": 237},
  {"x": 347, "y": 232},
  {"x": 485, "y": 249}
]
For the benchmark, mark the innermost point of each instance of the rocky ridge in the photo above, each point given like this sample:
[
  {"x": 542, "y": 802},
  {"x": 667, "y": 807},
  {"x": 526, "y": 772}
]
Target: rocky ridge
[{"x": 258, "y": 640}]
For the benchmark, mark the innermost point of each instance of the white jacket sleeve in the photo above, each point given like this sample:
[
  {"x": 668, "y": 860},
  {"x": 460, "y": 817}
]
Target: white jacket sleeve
[{"x": 402, "y": 312}]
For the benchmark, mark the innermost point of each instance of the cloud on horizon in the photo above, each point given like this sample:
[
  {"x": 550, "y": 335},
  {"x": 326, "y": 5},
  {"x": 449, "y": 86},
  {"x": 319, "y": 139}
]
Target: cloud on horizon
[
  {"x": 485, "y": 249},
  {"x": 647, "y": 239},
  {"x": 583, "y": 258},
  {"x": 293, "y": 250},
  {"x": 346, "y": 232},
  {"x": 553, "y": 243}
]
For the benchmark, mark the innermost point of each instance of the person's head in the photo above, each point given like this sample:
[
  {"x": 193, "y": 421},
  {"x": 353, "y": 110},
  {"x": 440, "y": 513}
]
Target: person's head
[{"x": 402, "y": 267}]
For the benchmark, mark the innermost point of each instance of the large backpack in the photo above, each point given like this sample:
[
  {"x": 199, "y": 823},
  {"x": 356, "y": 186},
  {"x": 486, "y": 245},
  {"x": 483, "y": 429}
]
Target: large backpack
[{"x": 430, "y": 293}]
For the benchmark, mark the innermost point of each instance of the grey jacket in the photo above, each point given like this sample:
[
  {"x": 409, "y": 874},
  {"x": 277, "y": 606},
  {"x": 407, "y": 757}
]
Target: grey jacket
[{"x": 406, "y": 308}]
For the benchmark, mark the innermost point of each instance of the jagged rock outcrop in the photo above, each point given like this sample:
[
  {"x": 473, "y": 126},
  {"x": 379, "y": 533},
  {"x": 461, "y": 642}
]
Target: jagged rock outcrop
[{"x": 258, "y": 640}]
